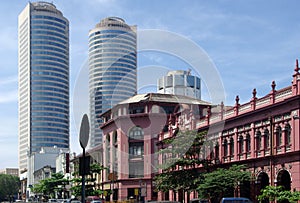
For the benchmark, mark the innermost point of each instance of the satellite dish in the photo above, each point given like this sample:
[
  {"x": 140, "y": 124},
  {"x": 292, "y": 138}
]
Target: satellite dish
[{"x": 84, "y": 131}]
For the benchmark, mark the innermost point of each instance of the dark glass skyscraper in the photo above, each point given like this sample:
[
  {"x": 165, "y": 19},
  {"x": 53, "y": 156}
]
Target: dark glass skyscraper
[
  {"x": 112, "y": 69},
  {"x": 43, "y": 80}
]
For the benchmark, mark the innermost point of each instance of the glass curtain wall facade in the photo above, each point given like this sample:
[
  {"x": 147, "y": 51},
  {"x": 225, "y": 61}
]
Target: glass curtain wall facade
[
  {"x": 112, "y": 69},
  {"x": 43, "y": 40}
]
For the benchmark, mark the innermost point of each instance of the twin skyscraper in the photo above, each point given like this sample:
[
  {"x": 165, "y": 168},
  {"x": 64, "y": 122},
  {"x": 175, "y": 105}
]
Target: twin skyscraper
[
  {"x": 113, "y": 69},
  {"x": 44, "y": 91}
]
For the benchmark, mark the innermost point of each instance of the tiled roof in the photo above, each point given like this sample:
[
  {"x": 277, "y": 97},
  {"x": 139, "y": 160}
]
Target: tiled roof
[{"x": 170, "y": 98}]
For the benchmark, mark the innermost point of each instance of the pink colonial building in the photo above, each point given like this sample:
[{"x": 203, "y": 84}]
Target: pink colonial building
[
  {"x": 131, "y": 132},
  {"x": 263, "y": 134}
]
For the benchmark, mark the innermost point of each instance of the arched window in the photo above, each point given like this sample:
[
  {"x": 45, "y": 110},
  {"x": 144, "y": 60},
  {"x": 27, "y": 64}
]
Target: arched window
[
  {"x": 241, "y": 144},
  {"x": 136, "y": 142},
  {"x": 262, "y": 181},
  {"x": 136, "y": 152},
  {"x": 217, "y": 151},
  {"x": 258, "y": 140},
  {"x": 114, "y": 150},
  {"x": 225, "y": 146},
  {"x": 107, "y": 149},
  {"x": 267, "y": 138},
  {"x": 284, "y": 179},
  {"x": 136, "y": 149},
  {"x": 212, "y": 151},
  {"x": 287, "y": 130},
  {"x": 248, "y": 143},
  {"x": 231, "y": 147},
  {"x": 115, "y": 137},
  {"x": 136, "y": 133},
  {"x": 202, "y": 152},
  {"x": 164, "y": 158},
  {"x": 278, "y": 136},
  {"x": 108, "y": 139}
]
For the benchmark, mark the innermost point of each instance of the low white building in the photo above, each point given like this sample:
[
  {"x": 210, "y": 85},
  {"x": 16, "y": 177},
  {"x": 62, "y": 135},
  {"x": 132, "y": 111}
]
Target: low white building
[
  {"x": 46, "y": 157},
  {"x": 10, "y": 171}
]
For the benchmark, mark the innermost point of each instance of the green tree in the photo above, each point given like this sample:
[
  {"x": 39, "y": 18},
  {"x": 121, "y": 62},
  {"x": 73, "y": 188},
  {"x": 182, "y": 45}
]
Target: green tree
[
  {"x": 90, "y": 187},
  {"x": 182, "y": 155},
  {"x": 9, "y": 186},
  {"x": 49, "y": 186},
  {"x": 223, "y": 182},
  {"x": 277, "y": 193}
]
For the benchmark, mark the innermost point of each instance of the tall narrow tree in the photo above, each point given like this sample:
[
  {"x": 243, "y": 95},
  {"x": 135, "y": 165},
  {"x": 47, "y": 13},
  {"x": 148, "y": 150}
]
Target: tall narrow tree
[{"x": 182, "y": 155}]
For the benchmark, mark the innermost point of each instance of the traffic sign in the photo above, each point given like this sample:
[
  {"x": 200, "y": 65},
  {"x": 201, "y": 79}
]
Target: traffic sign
[{"x": 84, "y": 131}]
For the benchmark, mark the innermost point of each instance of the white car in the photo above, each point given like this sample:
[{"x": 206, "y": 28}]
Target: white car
[{"x": 75, "y": 201}]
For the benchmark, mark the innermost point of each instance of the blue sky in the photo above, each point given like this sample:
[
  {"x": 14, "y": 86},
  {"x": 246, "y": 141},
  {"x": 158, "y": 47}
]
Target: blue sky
[{"x": 250, "y": 42}]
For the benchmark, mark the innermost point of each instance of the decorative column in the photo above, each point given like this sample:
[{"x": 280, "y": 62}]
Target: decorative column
[
  {"x": 296, "y": 80},
  {"x": 208, "y": 115},
  {"x": 284, "y": 137},
  {"x": 236, "y": 144},
  {"x": 263, "y": 142},
  {"x": 236, "y": 107},
  {"x": 253, "y": 141},
  {"x": 276, "y": 141},
  {"x": 253, "y": 100},
  {"x": 192, "y": 120},
  {"x": 170, "y": 126},
  {"x": 245, "y": 146},
  {"x": 222, "y": 111},
  {"x": 223, "y": 148},
  {"x": 272, "y": 93}
]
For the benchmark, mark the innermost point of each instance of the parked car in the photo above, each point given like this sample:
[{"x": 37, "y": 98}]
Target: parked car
[
  {"x": 75, "y": 201},
  {"x": 235, "y": 200},
  {"x": 199, "y": 201},
  {"x": 163, "y": 201},
  {"x": 97, "y": 201},
  {"x": 90, "y": 199},
  {"x": 52, "y": 200}
]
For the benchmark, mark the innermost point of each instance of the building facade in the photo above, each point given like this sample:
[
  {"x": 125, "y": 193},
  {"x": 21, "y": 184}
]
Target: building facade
[
  {"x": 263, "y": 134},
  {"x": 43, "y": 173},
  {"x": 112, "y": 69},
  {"x": 48, "y": 156},
  {"x": 180, "y": 82},
  {"x": 10, "y": 171},
  {"x": 131, "y": 131},
  {"x": 43, "y": 49}
]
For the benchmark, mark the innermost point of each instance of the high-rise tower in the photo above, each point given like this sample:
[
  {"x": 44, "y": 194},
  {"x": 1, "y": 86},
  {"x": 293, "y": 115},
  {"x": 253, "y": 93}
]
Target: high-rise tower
[
  {"x": 112, "y": 69},
  {"x": 43, "y": 45}
]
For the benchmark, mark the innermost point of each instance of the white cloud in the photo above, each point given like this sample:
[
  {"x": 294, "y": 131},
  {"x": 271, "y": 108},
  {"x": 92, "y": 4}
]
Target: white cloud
[
  {"x": 8, "y": 129},
  {"x": 8, "y": 80},
  {"x": 9, "y": 97},
  {"x": 8, "y": 140},
  {"x": 8, "y": 38},
  {"x": 10, "y": 159},
  {"x": 8, "y": 89}
]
